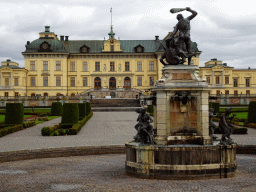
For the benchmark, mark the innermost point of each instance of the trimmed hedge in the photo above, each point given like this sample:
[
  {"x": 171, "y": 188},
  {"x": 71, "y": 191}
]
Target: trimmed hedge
[
  {"x": 70, "y": 113},
  {"x": 252, "y": 112},
  {"x": 82, "y": 110},
  {"x": 88, "y": 108},
  {"x": 237, "y": 130},
  {"x": 150, "y": 109},
  {"x": 14, "y": 113},
  {"x": 10, "y": 129},
  {"x": 215, "y": 106},
  {"x": 56, "y": 109},
  {"x": 57, "y": 130}
]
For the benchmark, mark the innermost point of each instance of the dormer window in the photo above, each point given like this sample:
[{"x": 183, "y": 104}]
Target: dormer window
[
  {"x": 139, "y": 49},
  {"x": 45, "y": 47},
  {"x": 84, "y": 49}
]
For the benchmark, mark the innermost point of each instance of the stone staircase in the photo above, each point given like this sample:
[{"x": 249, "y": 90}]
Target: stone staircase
[{"x": 115, "y": 104}]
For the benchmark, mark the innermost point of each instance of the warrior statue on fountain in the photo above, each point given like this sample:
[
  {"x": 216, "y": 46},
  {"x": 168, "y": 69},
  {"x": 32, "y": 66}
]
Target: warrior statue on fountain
[{"x": 174, "y": 44}]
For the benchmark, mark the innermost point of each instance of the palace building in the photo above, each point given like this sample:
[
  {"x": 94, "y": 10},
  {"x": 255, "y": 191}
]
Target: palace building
[
  {"x": 55, "y": 67},
  {"x": 225, "y": 80},
  {"x": 70, "y": 67}
]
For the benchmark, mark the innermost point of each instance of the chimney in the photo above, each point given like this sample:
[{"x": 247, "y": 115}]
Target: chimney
[
  {"x": 62, "y": 37},
  {"x": 157, "y": 38},
  {"x": 47, "y": 29},
  {"x": 66, "y": 38}
]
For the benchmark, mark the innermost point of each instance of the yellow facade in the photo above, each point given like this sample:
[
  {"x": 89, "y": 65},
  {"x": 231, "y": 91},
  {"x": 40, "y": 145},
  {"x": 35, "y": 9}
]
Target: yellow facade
[
  {"x": 56, "y": 66},
  {"x": 12, "y": 79},
  {"x": 108, "y": 64},
  {"x": 227, "y": 80}
]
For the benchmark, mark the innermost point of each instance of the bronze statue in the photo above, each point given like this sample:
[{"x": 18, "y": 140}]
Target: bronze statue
[
  {"x": 144, "y": 128},
  {"x": 227, "y": 128},
  {"x": 212, "y": 126},
  {"x": 174, "y": 44}
]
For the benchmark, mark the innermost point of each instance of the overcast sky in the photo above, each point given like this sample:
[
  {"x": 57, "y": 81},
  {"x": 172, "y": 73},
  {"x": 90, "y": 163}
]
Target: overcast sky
[{"x": 223, "y": 29}]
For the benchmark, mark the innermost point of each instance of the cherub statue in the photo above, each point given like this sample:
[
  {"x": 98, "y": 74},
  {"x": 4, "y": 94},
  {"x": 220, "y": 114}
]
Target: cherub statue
[
  {"x": 144, "y": 128},
  {"x": 212, "y": 126},
  {"x": 227, "y": 128}
]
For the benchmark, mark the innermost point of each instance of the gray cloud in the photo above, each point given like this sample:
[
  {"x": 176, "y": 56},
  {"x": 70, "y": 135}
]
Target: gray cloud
[{"x": 221, "y": 31}]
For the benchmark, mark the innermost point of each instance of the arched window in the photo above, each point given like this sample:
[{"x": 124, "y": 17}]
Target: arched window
[
  {"x": 127, "y": 83},
  {"x": 112, "y": 83},
  {"x": 97, "y": 83}
]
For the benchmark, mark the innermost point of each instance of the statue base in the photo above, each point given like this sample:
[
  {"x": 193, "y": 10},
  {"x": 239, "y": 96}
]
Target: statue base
[{"x": 174, "y": 162}]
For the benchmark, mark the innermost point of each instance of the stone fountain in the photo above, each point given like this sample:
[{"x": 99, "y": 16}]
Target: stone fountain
[{"x": 182, "y": 147}]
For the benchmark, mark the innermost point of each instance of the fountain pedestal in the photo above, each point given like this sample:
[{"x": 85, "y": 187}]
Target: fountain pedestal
[{"x": 183, "y": 148}]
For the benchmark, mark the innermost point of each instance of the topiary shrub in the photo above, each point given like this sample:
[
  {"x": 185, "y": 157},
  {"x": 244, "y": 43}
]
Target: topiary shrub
[
  {"x": 14, "y": 113},
  {"x": 252, "y": 112},
  {"x": 45, "y": 131},
  {"x": 82, "y": 110},
  {"x": 215, "y": 106},
  {"x": 70, "y": 113},
  {"x": 88, "y": 108},
  {"x": 56, "y": 109}
]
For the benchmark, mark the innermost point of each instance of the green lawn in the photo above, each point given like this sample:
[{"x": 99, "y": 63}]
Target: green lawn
[
  {"x": 241, "y": 115},
  {"x": 2, "y": 117},
  {"x": 30, "y": 110},
  {"x": 49, "y": 118}
]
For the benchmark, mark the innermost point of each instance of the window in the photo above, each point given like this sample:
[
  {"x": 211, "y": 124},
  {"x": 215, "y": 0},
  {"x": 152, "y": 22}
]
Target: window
[
  {"x": 58, "y": 81},
  {"x": 235, "y": 82},
  {"x": 45, "y": 65},
  {"x": 32, "y": 65},
  {"x": 139, "y": 81},
  {"x": 45, "y": 81},
  {"x": 32, "y": 81},
  {"x": 85, "y": 81},
  {"x": 97, "y": 66},
  {"x": 6, "y": 81},
  {"x": 235, "y": 92},
  {"x": 217, "y": 80},
  {"x": 139, "y": 66},
  {"x": 72, "y": 82},
  {"x": 247, "y": 82},
  {"x": 127, "y": 66},
  {"x": 151, "y": 66},
  {"x": 247, "y": 92},
  {"x": 112, "y": 66},
  {"x": 84, "y": 66},
  {"x": 226, "y": 92},
  {"x": 226, "y": 80},
  {"x": 72, "y": 66},
  {"x": 6, "y": 94},
  {"x": 112, "y": 48},
  {"x": 218, "y": 92},
  {"x": 208, "y": 79},
  {"x": 45, "y": 94},
  {"x": 16, "y": 82},
  {"x": 16, "y": 94},
  {"x": 151, "y": 81},
  {"x": 58, "y": 67}
]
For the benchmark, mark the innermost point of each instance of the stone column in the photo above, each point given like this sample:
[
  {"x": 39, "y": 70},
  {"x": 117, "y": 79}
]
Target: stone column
[
  {"x": 161, "y": 107},
  {"x": 1, "y": 79},
  {"x": 212, "y": 78},
  {"x": 11, "y": 79},
  {"x": 222, "y": 78}
]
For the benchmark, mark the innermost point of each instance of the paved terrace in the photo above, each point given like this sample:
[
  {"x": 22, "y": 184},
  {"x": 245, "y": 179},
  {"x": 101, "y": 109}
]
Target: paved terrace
[
  {"x": 104, "y": 128},
  {"x": 102, "y": 172}
]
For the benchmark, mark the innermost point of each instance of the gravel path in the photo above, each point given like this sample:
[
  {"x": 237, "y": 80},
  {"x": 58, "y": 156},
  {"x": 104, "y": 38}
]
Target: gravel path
[
  {"x": 107, "y": 173},
  {"x": 104, "y": 128}
]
